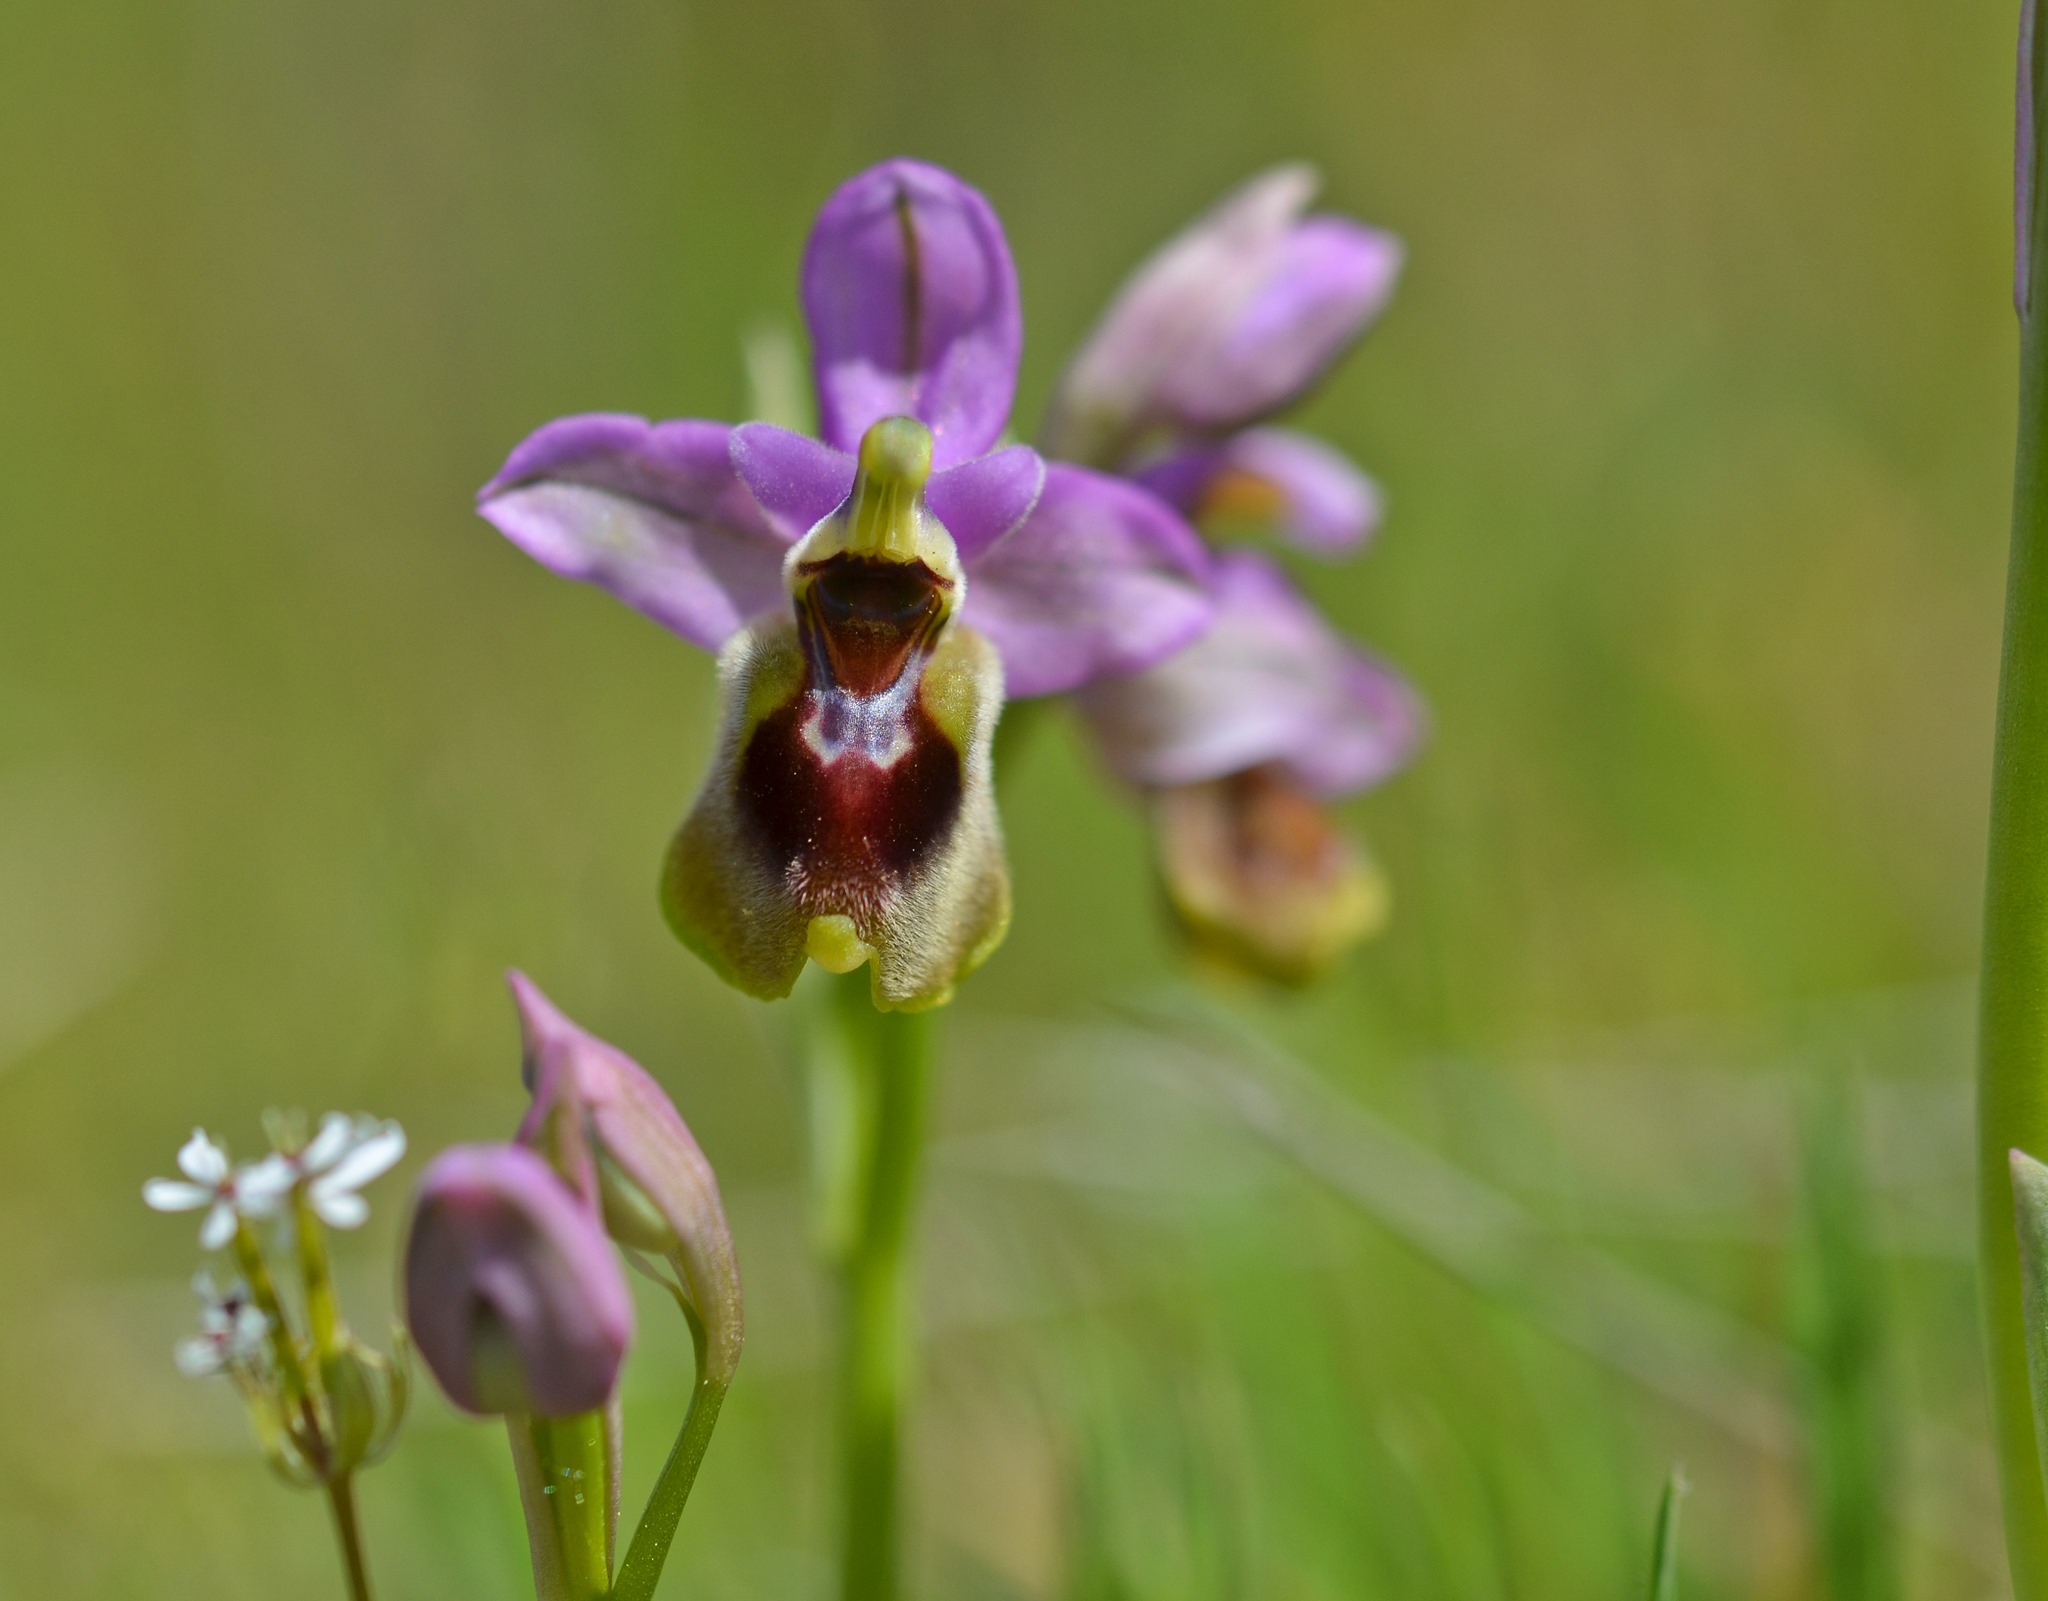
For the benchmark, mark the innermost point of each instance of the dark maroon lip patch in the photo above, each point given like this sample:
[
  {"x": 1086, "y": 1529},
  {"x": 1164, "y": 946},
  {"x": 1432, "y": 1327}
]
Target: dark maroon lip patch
[{"x": 852, "y": 785}]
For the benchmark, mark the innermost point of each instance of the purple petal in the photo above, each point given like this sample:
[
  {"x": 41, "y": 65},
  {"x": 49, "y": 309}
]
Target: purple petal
[
  {"x": 1102, "y": 577},
  {"x": 652, "y": 513},
  {"x": 1178, "y": 302},
  {"x": 1269, "y": 682},
  {"x": 912, "y": 303},
  {"x": 504, "y": 1262},
  {"x": 1324, "y": 283},
  {"x": 1310, "y": 491},
  {"x": 980, "y": 501},
  {"x": 796, "y": 481}
]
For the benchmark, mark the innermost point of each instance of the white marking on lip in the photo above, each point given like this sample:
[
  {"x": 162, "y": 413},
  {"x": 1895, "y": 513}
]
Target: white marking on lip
[{"x": 871, "y": 727}]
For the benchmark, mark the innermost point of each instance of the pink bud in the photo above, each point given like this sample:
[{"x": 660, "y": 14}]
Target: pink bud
[
  {"x": 513, "y": 1294},
  {"x": 609, "y": 1125}
]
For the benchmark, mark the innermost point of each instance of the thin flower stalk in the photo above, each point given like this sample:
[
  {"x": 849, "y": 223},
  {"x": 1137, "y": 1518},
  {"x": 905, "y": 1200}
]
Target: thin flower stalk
[{"x": 640, "y": 1572}]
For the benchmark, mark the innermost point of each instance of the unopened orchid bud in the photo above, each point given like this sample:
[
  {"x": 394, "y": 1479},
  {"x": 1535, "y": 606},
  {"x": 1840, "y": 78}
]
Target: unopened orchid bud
[
  {"x": 598, "y": 1111},
  {"x": 513, "y": 1294},
  {"x": 848, "y": 816},
  {"x": 1225, "y": 323}
]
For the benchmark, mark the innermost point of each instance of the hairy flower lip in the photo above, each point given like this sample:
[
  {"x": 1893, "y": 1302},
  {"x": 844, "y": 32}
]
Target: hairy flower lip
[{"x": 1260, "y": 878}]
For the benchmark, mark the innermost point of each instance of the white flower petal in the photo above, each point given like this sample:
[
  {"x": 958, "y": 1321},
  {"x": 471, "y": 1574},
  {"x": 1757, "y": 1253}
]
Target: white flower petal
[
  {"x": 201, "y": 1160},
  {"x": 260, "y": 1186},
  {"x": 175, "y": 1195},
  {"x": 341, "y": 1211},
  {"x": 219, "y": 1226},
  {"x": 336, "y": 1134},
  {"x": 371, "y": 1158},
  {"x": 199, "y": 1357},
  {"x": 251, "y": 1329}
]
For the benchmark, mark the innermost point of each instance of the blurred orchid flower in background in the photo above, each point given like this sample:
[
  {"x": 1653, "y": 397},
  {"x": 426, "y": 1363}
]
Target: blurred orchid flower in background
[
  {"x": 881, "y": 848},
  {"x": 1239, "y": 740}
]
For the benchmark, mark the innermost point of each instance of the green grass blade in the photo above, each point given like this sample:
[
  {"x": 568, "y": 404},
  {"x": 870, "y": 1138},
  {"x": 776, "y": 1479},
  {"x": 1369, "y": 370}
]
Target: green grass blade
[{"x": 1664, "y": 1556}]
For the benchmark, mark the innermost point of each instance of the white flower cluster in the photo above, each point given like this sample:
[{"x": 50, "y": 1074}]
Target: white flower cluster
[
  {"x": 329, "y": 1170},
  {"x": 232, "y": 1330},
  {"x": 346, "y": 1154}
]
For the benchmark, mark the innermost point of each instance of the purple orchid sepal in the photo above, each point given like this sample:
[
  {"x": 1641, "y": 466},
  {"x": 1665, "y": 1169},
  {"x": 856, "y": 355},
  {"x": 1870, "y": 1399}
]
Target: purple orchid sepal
[
  {"x": 911, "y": 299},
  {"x": 1309, "y": 491},
  {"x": 1226, "y": 323},
  {"x": 1270, "y": 684}
]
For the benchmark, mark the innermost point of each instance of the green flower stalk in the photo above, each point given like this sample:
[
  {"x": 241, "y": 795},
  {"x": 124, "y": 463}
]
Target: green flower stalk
[
  {"x": 870, "y": 1077},
  {"x": 2012, "y": 1083}
]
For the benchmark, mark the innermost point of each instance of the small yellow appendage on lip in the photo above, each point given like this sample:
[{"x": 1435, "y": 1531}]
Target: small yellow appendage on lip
[{"x": 835, "y": 945}]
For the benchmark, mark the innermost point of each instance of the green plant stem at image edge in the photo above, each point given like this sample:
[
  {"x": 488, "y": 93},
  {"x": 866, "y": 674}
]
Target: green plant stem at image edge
[{"x": 2012, "y": 1087}]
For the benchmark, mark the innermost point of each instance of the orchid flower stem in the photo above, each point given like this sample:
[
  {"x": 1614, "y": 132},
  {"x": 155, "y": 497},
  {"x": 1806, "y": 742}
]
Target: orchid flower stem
[
  {"x": 641, "y": 1570},
  {"x": 564, "y": 1489},
  {"x": 341, "y": 1496},
  {"x": 2012, "y": 1083},
  {"x": 871, "y": 1075}
]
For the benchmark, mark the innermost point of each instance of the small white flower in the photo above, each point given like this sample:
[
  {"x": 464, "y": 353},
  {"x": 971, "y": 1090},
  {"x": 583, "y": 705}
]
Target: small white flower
[
  {"x": 345, "y": 1155},
  {"x": 232, "y": 1331},
  {"x": 254, "y": 1191}
]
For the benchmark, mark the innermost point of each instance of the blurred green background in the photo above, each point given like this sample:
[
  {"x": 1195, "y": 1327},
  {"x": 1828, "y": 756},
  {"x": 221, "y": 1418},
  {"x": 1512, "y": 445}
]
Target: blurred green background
[{"x": 1642, "y": 1134}]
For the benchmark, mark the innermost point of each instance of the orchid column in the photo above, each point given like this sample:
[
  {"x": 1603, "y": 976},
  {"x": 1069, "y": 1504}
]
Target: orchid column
[
  {"x": 874, "y": 596},
  {"x": 2012, "y": 1105}
]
